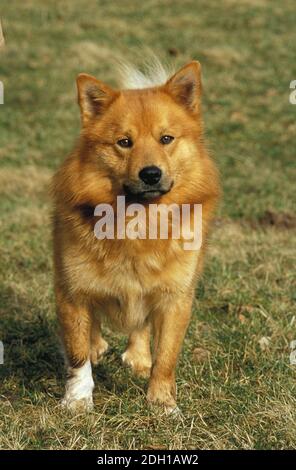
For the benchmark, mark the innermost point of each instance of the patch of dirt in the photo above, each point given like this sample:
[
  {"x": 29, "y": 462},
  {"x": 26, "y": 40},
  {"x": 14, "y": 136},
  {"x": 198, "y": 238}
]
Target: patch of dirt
[
  {"x": 200, "y": 355},
  {"x": 277, "y": 219},
  {"x": 173, "y": 51}
]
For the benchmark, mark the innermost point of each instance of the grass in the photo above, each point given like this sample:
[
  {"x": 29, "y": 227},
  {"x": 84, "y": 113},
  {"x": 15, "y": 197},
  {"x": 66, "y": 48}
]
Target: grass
[{"x": 235, "y": 390}]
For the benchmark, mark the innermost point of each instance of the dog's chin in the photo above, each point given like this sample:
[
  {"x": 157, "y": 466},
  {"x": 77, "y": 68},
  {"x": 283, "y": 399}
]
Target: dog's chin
[
  {"x": 148, "y": 195},
  {"x": 145, "y": 196}
]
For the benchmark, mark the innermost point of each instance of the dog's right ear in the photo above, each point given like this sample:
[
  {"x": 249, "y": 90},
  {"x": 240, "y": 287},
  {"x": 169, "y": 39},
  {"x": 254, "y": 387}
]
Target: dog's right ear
[{"x": 93, "y": 96}]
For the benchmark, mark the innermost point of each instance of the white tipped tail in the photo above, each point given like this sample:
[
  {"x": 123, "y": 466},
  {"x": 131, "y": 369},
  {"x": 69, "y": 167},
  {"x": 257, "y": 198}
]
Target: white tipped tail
[{"x": 153, "y": 73}]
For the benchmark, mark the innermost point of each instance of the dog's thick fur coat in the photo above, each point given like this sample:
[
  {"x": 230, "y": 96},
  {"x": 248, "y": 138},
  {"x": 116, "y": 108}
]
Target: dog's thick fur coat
[{"x": 141, "y": 286}]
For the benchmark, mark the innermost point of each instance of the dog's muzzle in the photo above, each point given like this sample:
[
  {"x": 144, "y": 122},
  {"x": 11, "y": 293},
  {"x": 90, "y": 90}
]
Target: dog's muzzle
[{"x": 143, "y": 191}]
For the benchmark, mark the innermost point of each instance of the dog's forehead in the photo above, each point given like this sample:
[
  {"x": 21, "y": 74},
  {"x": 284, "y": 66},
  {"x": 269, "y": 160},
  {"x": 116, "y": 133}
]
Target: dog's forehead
[{"x": 148, "y": 107}]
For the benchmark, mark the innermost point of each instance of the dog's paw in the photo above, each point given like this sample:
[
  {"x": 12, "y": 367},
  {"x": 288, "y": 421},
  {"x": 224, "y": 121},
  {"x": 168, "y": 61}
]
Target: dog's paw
[
  {"x": 140, "y": 365},
  {"x": 173, "y": 412},
  {"x": 97, "y": 351},
  {"x": 162, "y": 394},
  {"x": 164, "y": 411},
  {"x": 80, "y": 405},
  {"x": 79, "y": 388}
]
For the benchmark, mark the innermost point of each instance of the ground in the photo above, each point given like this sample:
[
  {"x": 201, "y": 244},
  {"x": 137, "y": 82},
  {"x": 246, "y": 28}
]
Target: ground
[{"x": 236, "y": 387}]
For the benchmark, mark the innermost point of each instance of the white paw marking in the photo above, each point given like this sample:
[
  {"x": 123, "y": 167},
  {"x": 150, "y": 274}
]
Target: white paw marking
[{"x": 79, "y": 389}]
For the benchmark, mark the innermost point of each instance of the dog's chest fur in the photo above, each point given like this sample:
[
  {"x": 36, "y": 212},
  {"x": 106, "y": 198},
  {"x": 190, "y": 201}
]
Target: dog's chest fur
[{"x": 126, "y": 283}]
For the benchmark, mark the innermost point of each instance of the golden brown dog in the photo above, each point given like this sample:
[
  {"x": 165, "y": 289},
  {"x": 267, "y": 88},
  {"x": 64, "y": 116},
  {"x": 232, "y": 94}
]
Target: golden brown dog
[{"x": 147, "y": 144}]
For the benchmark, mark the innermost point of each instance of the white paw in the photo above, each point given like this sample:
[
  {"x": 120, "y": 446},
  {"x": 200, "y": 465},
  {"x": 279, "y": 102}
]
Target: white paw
[
  {"x": 80, "y": 405},
  {"x": 79, "y": 389}
]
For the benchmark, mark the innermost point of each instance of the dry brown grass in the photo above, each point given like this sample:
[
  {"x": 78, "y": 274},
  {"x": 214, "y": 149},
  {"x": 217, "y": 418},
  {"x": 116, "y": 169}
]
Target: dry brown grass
[{"x": 235, "y": 390}]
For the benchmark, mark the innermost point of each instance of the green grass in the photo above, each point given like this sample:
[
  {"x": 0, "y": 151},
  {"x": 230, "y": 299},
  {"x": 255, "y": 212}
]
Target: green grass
[{"x": 232, "y": 392}]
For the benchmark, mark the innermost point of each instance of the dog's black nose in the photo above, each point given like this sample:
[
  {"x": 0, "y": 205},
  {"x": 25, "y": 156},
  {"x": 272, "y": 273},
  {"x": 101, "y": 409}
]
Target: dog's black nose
[{"x": 150, "y": 174}]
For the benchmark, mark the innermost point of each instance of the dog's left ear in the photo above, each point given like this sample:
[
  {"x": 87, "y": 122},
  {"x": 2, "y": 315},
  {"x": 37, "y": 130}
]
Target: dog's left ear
[{"x": 185, "y": 86}]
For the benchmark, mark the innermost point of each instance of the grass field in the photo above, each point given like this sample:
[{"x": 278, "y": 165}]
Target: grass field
[{"x": 236, "y": 387}]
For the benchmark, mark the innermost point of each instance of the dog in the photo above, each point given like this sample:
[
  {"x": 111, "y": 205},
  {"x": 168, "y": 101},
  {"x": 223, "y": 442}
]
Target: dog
[{"x": 144, "y": 141}]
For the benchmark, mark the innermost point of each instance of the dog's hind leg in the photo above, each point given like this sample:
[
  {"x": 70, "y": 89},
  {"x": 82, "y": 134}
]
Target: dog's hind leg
[
  {"x": 98, "y": 346},
  {"x": 138, "y": 354}
]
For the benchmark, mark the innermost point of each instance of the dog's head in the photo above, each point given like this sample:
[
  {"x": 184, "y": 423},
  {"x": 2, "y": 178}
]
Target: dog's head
[{"x": 146, "y": 141}]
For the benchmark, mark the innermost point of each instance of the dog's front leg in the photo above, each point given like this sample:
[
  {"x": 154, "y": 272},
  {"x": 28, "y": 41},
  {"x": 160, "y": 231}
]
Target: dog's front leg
[
  {"x": 75, "y": 323},
  {"x": 170, "y": 321}
]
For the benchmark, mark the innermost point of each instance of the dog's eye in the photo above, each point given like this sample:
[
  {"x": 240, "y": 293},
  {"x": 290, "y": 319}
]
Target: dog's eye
[
  {"x": 166, "y": 139},
  {"x": 125, "y": 143}
]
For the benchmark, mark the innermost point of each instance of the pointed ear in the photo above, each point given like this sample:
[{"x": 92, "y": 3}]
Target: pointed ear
[
  {"x": 93, "y": 96},
  {"x": 185, "y": 86}
]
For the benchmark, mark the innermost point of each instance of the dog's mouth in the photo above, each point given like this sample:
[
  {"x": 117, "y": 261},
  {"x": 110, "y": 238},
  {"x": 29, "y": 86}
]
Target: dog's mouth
[{"x": 146, "y": 194}]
